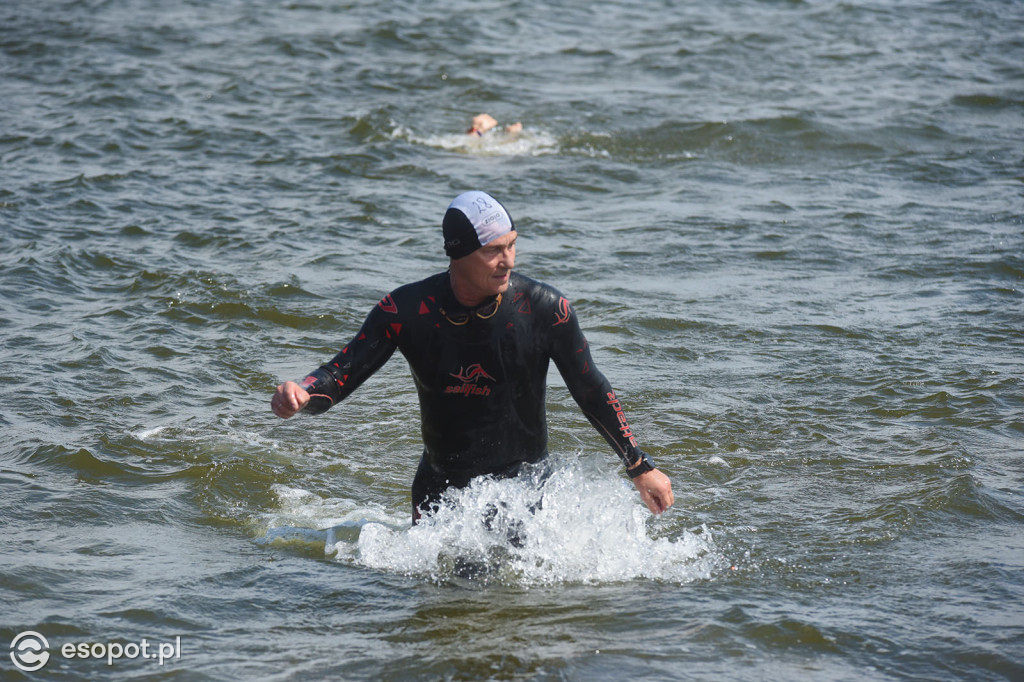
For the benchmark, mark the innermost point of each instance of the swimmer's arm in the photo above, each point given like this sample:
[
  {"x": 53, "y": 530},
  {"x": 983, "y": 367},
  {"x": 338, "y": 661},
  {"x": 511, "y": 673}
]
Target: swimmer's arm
[
  {"x": 593, "y": 393},
  {"x": 589, "y": 387},
  {"x": 655, "y": 487},
  {"x": 329, "y": 384}
]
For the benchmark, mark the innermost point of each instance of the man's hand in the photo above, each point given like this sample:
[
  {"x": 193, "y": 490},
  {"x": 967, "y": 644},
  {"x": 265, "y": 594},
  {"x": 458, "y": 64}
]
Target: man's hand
[
  {"x": 655, "y": 490},
  {"x": 288, "y": 399}
]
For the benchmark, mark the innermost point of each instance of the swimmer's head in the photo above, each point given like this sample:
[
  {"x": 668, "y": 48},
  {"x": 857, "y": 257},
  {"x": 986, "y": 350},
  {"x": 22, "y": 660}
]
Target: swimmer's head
[{"x": 472, "y": 220}]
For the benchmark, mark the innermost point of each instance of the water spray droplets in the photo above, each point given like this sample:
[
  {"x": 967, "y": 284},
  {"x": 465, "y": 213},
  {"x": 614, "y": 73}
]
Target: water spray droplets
[{"x": 575, "y": 526}]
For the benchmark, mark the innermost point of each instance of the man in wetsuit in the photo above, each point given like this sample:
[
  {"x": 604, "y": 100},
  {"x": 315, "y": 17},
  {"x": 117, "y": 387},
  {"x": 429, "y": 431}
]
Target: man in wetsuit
[{"x": 478, "y": 339}]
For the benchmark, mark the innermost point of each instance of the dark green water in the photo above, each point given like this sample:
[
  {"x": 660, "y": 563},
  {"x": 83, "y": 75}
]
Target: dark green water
[{"x": 792, "y": 230}]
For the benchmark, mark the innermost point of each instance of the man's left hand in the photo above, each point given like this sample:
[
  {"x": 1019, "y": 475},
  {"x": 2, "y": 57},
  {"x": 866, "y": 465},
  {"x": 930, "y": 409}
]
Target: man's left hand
[{"x": 655, "y": 490}]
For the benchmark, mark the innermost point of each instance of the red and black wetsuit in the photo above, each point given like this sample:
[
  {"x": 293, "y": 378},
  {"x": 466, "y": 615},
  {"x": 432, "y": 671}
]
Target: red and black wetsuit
[{"x": 480, "y": 374}]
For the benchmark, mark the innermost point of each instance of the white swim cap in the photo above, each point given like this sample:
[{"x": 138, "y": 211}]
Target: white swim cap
[{"x": 472, "y": 220}]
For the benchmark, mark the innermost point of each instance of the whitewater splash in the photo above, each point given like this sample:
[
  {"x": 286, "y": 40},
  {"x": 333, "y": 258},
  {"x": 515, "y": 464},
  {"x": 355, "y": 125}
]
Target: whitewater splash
[{"x": 578, "y": 525}]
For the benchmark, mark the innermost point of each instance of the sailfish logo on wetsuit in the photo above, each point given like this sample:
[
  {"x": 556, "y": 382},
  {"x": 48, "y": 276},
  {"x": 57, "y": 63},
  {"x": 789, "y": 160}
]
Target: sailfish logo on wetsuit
[{"x": 469, "y": 376}]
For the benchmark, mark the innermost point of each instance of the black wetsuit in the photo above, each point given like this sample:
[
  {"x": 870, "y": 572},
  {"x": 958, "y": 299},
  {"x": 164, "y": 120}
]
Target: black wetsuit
[{"x": 481, "y": 377}]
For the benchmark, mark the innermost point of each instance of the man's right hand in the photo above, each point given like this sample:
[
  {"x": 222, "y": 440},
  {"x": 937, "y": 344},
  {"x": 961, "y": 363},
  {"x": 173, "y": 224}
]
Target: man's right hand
[{"x": 288, "y": 399}]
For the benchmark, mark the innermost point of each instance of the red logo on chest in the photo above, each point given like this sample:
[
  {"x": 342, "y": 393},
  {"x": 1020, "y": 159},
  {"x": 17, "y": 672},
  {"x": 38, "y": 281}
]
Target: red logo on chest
[{"x": 470, "y": 378}]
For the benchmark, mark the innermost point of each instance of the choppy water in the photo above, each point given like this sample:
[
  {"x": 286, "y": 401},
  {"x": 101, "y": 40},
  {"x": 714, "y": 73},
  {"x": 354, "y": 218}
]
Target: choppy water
[{"x": 793, "y": 232}]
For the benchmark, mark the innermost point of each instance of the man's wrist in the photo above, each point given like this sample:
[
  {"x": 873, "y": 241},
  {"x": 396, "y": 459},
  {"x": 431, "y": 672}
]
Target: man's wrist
[{"x": 641, "y": 467}]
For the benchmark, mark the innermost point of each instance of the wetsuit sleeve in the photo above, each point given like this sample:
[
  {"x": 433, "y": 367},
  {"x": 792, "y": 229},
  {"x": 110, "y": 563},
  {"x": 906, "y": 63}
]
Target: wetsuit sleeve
[
  {"x": 588, "y": 386},
  {"x": 355, "y": 363}
]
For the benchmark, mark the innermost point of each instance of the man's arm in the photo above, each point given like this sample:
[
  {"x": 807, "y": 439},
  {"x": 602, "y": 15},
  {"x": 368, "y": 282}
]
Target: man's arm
[
  {"x": 593, "y": 393},
  {"x": 333, "y": 382}
]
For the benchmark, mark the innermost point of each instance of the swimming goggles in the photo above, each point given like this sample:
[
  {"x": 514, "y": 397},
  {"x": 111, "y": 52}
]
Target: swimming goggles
[{"x": 485, "y": 312}]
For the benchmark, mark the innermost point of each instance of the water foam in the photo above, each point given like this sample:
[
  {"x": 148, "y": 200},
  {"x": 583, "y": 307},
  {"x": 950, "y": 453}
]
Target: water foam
[
  {"x": 146, "y": 434},
  {"x": 529, "y": 142},
  {"x": 335, "y": 522},
  {"x": 578, "y": 525}
]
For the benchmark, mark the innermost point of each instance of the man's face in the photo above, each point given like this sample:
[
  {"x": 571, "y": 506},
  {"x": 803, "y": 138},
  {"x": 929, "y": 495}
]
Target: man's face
[{"x": 485, "y": 272}]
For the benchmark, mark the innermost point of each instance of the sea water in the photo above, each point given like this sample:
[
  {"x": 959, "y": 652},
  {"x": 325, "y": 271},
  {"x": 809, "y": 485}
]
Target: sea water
[{"x": 791, "y": 230}]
